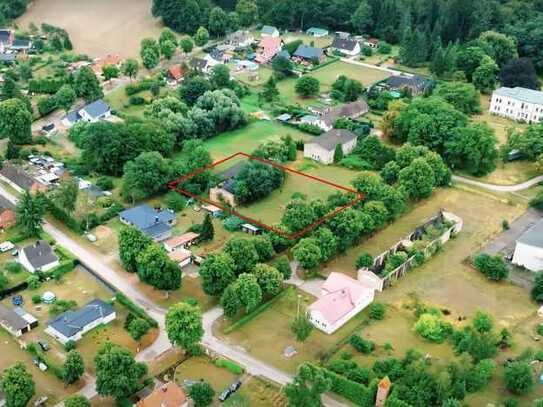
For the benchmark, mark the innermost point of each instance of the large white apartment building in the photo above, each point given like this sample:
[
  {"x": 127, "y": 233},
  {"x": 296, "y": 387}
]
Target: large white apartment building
[{"x": 518, "y": 104}]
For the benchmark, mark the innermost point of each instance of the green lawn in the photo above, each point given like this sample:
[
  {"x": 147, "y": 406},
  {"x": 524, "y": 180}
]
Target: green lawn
[
  {"x": 257, "y": 339},
  {"x": 197, "y": 368},
  {"x": 248, "y": 138}
]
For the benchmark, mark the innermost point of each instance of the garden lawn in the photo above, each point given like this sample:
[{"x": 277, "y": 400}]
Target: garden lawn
[
  {"x": 119, "y": 101},
  {"x": 264, "y": 73},
  {"x": 257, "y": 392},
  {"x": 266, "y": 336},
  {"x": 328, "y": 74},
  {"x": 248, "y": 138},
  {"x": 198, "y": 368},
  {"x": 270, "y": 209}
]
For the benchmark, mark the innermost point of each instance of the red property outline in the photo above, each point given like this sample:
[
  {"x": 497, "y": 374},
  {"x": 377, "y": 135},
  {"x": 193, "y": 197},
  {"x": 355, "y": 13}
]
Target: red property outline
[{"x": 174, "y": 185}]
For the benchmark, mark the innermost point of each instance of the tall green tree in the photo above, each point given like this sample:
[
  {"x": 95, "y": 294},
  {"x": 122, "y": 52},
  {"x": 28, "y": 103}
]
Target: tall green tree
[
  {"x": 417, "y": 179},
  {"x": 307, "y": 252},
  {"x": 338, "y": 153},
  {"x": 118, "y": 375},
  {"x": 249, "y": 292},
  {"x": 207, "y": 232},
  {"x": 87, "y": 85},
  {"x": 65, "y": 196},
  {"x": 17, "y": 385},
  {"x": 132, "y": 242},
  {"x": 463, "y": 96},
  {"x": 217, "y": 273},
  {"x": 201, "y": 37},
  {"x": 201, "y": 393},
  {"x": 30, "y": 211},
  {"x": 308, "y": 387},
  {"x": 184, "y": 325},
  {"x": 247, "y": 11},
  {"x": 130, "y": 68},
  {"x": 301, "y": 327},
  {"x": 269, "y": 279},
  {"x": 307, "y": 86},
  {"x": 77, "y": 401},
  {"x": 73, "y": 367},
  {"x": 65, "y": 97},
  {"x": 145, "y": 175},
  {"x": 156, "y": 268},
  {"x": 15, "y": 121},
  {"x": 218, "y": 22},
  {"x": 362, "y": 19},
  {"x": 243, "y": 252}
]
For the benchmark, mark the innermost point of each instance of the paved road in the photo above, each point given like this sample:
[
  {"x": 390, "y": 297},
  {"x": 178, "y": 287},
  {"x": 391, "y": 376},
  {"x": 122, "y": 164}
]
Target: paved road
[
  {"x": 500, "y": 188},
  {"x": 162, "y": 344}
]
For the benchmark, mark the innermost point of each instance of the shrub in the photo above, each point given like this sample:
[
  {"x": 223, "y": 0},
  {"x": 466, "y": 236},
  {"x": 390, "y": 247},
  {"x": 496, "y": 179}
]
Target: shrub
[
  {"x": 362, "y": 345},
  {"x": 33, "y": 282},
  {"x": 174, "y": 201},
  {"x": 229, "y": 365},
  {"x": 105, "y": 183},
  {"x": 432, "y": 328},
  {"x": 518, "y": 378},
  {"x": 14, "y": 267},
  {"x": 539, "y": 329},
  {"x": 364, "y": 260},
  {"x": 137, "y": 100},
  {"x": 70, "y": 345},
  {"x": 493, "y": 267},
  {"x": 377, "y": 311},
  {"x": 36, "y": 299},
  {"x": 233, "y": 223}
]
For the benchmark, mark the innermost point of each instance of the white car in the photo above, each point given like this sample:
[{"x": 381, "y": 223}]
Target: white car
[{"x": 6, "y": 246}]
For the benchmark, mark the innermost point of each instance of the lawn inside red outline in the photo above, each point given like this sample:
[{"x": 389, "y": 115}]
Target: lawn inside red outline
[{"x": 174, "y": 185}]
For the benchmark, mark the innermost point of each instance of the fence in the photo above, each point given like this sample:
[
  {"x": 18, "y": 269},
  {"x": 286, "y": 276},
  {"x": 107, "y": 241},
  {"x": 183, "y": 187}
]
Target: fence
[{"x": 369, "y": 276}]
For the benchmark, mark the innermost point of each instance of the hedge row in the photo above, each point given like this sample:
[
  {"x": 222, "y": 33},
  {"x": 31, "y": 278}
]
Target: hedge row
[
  {"x": 32, "y": 348},
  {"x": 138, "y": 87},
  {"x": 229, "y": 365},
  {"x": 63, "y": 268},
  {"x": 135, "y": 309},
  {"x": 359, "y": 394},
  {"x": 64, "y": 217},
  {"x": 46, "y": 85}
]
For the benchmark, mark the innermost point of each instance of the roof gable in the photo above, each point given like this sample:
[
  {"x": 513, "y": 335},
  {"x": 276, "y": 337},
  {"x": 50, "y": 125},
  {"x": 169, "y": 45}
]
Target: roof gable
[{"x": 348, "y": 44}]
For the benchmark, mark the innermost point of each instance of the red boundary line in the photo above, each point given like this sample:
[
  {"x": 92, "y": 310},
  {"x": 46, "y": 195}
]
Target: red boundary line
[{"x": 173, "y": 185}]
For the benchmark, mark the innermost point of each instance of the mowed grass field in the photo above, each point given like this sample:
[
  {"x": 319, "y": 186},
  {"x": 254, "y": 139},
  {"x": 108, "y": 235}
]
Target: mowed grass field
[
  {"x": 98, "y": 27},
  {"x": 327, "y": 75}
]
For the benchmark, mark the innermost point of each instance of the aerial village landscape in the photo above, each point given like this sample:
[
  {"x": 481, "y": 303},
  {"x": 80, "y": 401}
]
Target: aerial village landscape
[{"x": 271, "y": 203}]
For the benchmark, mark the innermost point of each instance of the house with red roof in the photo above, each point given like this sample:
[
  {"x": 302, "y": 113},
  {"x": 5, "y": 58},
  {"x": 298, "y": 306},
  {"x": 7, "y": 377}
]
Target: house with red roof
[
  {"x": 342, "y": 297},
  {"x": 268, "y": 47},
  {"x": 99, "y": 64},
  {"x": 175, "y": 73}
]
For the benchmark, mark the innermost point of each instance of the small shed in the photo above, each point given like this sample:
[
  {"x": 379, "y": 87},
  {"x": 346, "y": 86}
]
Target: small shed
[
  {"x": 285, "y": 117},
  {"x": 48, "y": 297},
  {"x": 289, "y": 351},
  {"x": 252, "y": 230},
  {"x": 213, "y": 210},
  {"x": 317, "y": 32}
]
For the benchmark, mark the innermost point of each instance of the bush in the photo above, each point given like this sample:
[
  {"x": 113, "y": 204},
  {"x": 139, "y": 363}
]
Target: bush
[
  {"x": 14, "y": 267},
  {"x": 233, "y": 223},
  {"x": 518, "y": 378},
  {"x": 539, "y": 329},
  {"x": 432, "y": 328},
  {"x": 70, "y": 345},
  {"x": 493, "y": 267},
  {"x": 377, "y": 311},
  {"x": 137, "y": 100},
  {"x": 33, "y": 282},
  {"x": 362, "y": 345},
  {"x": 229, "y": 365},
  {"x": 136, "y": 310},
  {"x": 36, "y": 299},
  {"x": 354, "y": 162},
  {"x": 175, "y": 201},
  {"x": 310, "y": 128},
  {"x": 105, "y": 183},
  {"x": 365, "y": 260}
]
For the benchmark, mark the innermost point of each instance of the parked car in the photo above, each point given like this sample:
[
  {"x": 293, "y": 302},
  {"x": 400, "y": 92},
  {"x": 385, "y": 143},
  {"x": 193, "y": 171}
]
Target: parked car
[
  {"x": 44, "y": 345},
  {"x": 225, "y": 394},
  {"x": 36, "y": 361},
  {"x": 15, "y": 252},
  {"x": 41, "y": 401},
  {"x": 5, "y": 246},
  {"x": 235, "y": 386},
  {"x": 42, "y": 366},
  {"x": 17, "y": 300}
]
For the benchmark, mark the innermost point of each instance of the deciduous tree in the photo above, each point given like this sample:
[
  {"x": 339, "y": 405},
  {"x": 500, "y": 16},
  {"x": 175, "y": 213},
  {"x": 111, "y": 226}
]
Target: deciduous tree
[
  {"x": 15, "y": 121},
  {"x": 17, "y": 385},
  {"x": 184, "y": 325},
  {"x": 30, "y": 211},
  {"x": 155, "y": 268},
  {"x": 217, "y": 273},
  {"x": 73, "y": 367}
]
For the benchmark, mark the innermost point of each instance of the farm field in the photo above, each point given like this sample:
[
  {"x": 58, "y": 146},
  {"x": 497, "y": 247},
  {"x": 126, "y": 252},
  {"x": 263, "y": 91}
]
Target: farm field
[{"x": 98, "y": 27}]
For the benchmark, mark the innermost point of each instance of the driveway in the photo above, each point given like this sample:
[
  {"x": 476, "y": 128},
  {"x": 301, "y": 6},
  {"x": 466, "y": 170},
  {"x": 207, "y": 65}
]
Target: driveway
[{"x": 500, "y": 188}]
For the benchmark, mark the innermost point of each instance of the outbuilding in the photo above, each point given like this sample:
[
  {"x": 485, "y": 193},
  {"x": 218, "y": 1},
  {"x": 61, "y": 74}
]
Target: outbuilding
[
  {"x": 322, "y": 148},
  {"x": 529, "y": 248}
]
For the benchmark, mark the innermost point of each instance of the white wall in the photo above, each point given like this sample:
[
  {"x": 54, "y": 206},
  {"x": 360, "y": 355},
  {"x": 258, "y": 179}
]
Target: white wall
[
  {"x": 317, "y": 153},
  {"x": 514, "y": 109},
  {"x": 528, "y": 256}
]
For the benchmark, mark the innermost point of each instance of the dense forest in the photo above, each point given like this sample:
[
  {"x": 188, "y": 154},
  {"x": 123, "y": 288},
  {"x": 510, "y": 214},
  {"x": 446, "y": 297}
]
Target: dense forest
[
  {"x": 428, "y": 22},
  {"x": 10, "y": 9}
]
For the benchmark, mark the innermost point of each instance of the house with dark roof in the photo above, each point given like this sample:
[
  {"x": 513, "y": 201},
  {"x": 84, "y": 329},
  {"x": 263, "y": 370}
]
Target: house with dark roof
[
  {"x": 322, "y": 148},
  {"x": 6, "y": 37},
  {"x": 16, "y": 321},
  {"x": 7, "y": 59},
  {"x": 351, "y": 110},
  {"x": 224, "y": 191},
  {"x": 415, "y": 84},
  {"x": 39, "y": 256},
  {"x": 93, "y": 112},
  {"x": 72, "y": 325},
  {"x": 307, "y": 54},
  {"x": 345, "y": 45},
  {"x": 19, "y": 179},
  {"x": 21, "y": 45},
  {"x": 529, "y": 248},
  {"x": 155, "y": 223},
  {"x": 269, "y": 31}
]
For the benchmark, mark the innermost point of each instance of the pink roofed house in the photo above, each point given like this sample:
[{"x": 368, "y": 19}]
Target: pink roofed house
[
  {"x": 268, "y": 47},
  {"x": 342, "y": 297}
]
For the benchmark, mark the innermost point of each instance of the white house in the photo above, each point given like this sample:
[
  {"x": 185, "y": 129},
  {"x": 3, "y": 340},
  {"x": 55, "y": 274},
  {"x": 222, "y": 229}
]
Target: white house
[
  {"x": 346, "y": 46},
  {"x": 72, "y": 325},
  {"x": 342, "y": 297},
  {"x": 322, "y": 148},
  {"x": 351, "y": 110},
  {"x": 93, "y": 112},
  {"x": 39, "y": 256},
  {"x": 520, "y": 104},
  {"x": 182, "y": 257},
  {"x": 529, "y": 248},
  {"x": 269, "y": 31}
]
